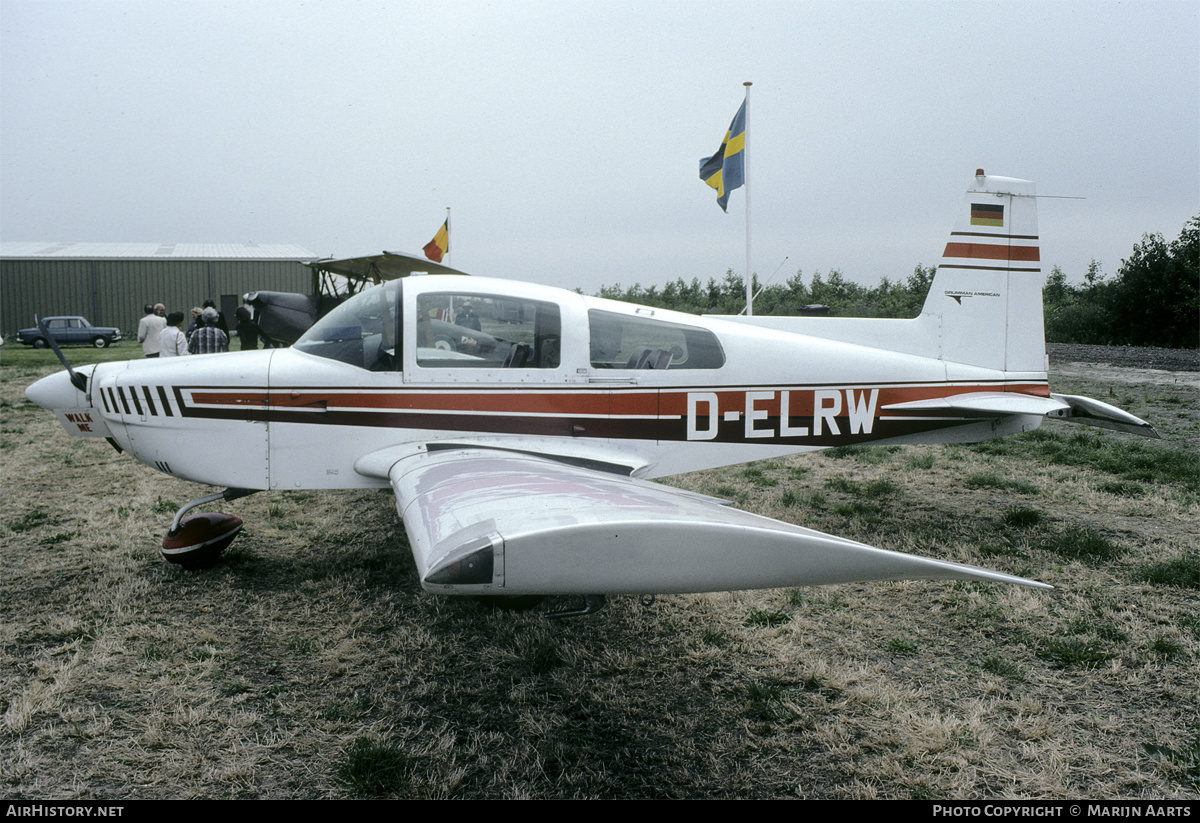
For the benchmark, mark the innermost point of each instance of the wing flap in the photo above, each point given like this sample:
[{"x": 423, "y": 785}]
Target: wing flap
[{"x": 485, "y": 521}]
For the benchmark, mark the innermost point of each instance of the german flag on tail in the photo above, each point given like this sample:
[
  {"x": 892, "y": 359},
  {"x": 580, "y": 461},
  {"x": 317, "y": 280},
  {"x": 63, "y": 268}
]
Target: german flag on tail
[{"x": 987, "y": 215}]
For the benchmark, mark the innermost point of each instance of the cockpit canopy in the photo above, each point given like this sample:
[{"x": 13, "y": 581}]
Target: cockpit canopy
[
  {"x": 476, "y": 328},
  {"x": 364, "y": 331}
]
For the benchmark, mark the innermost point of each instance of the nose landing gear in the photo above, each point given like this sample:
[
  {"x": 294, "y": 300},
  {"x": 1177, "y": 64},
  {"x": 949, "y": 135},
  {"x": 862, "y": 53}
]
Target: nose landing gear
[{"x": 196, "y": 541}]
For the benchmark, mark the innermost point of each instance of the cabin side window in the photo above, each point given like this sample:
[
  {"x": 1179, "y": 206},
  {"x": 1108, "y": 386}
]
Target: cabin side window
[
  {"x": 620, "y": 341},
  {"x": 480, "y": 331}
]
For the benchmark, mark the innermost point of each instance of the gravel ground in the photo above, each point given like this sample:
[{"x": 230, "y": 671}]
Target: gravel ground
[{"x": 1126, "y": 356}]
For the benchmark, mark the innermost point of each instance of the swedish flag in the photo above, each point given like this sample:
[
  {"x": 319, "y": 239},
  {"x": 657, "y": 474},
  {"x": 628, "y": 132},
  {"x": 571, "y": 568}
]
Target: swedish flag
[{"x": 726, "y": 170}]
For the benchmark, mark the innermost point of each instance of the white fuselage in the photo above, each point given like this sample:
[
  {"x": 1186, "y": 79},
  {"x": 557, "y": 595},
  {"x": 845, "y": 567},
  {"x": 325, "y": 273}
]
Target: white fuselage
[{"x": 290, "y": 419}]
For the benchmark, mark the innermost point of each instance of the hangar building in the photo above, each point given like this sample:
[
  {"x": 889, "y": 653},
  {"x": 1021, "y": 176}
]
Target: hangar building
[{"x": 109, "y": 283}]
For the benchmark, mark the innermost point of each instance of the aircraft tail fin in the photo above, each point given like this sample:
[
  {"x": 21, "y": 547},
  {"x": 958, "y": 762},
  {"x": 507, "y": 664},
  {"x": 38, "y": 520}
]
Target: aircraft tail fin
[
  {"x": 986, "y": 297},
  {"x": 984, "y": 307}
]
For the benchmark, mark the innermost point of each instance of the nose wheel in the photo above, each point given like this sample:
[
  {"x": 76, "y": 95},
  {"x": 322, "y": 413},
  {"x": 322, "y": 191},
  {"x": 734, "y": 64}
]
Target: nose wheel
[{"x": 196, "y": 541}]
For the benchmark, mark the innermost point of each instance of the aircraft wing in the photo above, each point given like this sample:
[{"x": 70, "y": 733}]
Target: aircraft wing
[
  {"x": 496, "y": 522},
  {"x": 377, "y": 268}
]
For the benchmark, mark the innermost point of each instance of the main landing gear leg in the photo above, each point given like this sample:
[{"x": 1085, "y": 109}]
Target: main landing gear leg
[
  {"x": 592, "y": 603},
  {"x": 196, "y": 541}
]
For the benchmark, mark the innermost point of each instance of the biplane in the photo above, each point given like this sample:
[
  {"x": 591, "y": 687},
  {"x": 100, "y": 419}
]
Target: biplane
[{"x": 282, "y": 317}]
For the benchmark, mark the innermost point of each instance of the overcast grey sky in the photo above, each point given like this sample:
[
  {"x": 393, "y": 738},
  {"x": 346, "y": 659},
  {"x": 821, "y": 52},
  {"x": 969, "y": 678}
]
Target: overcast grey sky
[{"x": 566, "y": 137}]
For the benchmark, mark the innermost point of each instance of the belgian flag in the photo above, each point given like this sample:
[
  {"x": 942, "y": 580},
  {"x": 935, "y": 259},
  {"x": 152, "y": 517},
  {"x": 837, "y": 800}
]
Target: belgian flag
[{"x": 440, "y": 244}]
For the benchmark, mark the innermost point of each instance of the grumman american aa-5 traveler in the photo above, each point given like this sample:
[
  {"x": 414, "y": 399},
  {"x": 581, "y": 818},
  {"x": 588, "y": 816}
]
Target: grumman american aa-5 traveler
[{"x": 525, "y": 469}]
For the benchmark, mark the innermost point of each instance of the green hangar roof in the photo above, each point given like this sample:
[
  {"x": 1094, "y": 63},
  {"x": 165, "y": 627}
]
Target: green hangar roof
[{"x": 42, "y": 250}]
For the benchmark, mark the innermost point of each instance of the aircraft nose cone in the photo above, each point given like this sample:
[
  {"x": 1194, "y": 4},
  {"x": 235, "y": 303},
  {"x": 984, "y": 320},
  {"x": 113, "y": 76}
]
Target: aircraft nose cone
[{"x": 56, "y": 392}]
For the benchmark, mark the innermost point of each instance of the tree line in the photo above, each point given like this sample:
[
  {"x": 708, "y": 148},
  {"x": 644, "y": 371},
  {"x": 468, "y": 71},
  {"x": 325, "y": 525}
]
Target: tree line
[{"x": 1152, "y": 300}]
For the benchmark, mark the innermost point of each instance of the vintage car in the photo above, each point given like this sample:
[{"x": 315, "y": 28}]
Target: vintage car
[{"x": 70, "y": 331}]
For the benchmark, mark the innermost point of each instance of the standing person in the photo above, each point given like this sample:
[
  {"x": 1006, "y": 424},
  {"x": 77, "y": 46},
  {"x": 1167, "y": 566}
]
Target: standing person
[
  {"x": 467, "y": 318},
  {"x": 196, "y": 322},
  {"x": 149, "y": 328},
  {"x": 247, "y": 329},
  {"x": 208, "y": 339},
  {"x": 171, "y": 340},
  {"x": 221, "y": 324}
]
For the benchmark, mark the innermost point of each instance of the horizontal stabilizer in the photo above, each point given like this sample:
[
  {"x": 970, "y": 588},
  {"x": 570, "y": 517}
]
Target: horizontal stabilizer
[
  {"x": 1066, "y": 407},
  {"x": 1096, "y": 413},
  {"x": 486, "y": 521},
  {"x": 982, "y": 404}
]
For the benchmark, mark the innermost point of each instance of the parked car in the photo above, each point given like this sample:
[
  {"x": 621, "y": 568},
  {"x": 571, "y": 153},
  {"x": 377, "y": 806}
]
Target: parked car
[{"x": 70, "y": 331}]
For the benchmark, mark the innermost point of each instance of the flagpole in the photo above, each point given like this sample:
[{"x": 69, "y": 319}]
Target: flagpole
[
  {"x": 447, "y": 235},
  {"x": 746, "y": 167}
]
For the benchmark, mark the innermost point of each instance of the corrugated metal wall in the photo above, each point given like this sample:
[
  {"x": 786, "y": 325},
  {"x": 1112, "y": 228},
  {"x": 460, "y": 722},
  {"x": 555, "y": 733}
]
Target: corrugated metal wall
[{"x": 112, "y": 292}]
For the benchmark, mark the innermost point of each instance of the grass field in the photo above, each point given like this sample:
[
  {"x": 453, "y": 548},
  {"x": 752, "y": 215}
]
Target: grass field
[{"x": 310, "y": 663}]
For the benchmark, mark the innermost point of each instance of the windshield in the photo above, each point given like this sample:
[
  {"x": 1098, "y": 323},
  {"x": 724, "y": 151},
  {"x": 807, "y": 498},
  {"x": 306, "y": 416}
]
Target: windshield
[{"x": 362, "y": 331}]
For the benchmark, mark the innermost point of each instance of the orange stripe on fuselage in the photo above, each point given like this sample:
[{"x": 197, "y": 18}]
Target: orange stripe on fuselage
[
  {"x": 987, "y": 251},
  {"x": 674, "y": 401},
  {"x": 641, "y": 402},
  {"x": 613, "y": 411},
  {"x": 666, "y": 401},
  {"x": 905, "y": 394}
]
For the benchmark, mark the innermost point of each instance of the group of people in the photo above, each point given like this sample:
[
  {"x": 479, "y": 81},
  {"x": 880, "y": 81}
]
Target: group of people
[{"x": 162, "y": 334}]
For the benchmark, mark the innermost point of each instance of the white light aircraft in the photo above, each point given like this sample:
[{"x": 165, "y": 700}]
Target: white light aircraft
[{"x": 519, "y": 425}]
